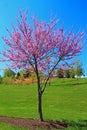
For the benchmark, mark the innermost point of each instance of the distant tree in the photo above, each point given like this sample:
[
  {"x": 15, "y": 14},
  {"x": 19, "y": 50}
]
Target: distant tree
[
  {"x": 60, "y": 73},
  {"x": 72, "y": 72},
  {"x": 9, "y": 73},
  {"x": 78, "y": 67},
  {"x": 24, "y": 73},
  {"x": 17, "y": 75},
  {"x": 31, "y": 47},
  {"x": 79, "y": 71},
  {"x": 67, "y": 73},
  {"x": 1, "y": 79},
  {"x": 9, "y": 76}
]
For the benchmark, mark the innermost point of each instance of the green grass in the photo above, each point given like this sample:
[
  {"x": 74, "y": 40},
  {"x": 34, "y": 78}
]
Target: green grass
[
  {"x": 65, "y": 99},
  {"x": 4, "y": 126}
]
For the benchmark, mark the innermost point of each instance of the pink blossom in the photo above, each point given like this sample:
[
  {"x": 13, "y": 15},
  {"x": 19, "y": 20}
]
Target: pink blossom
[{"x": 43, "y": 44}]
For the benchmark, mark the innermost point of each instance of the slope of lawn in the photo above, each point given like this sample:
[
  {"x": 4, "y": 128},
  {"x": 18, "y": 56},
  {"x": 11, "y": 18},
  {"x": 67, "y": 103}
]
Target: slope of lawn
[
  {"x": 4, "y": 126},
  {"x": 64, "y": 99}
]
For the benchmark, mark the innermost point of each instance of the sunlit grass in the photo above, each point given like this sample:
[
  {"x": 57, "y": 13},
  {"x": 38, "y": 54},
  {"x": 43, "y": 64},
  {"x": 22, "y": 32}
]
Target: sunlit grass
[
  {"x": 4, "y": 126},
  {"x": 64, "y": 99}
]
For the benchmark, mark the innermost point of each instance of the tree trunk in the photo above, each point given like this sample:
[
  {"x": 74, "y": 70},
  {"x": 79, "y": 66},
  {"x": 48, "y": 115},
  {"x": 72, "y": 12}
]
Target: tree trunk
[
  {"x": 39, "y": 93},
  {"x": 40, "y": 104}
]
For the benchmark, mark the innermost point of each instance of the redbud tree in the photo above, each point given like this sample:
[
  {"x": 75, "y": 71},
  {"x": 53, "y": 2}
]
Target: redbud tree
[{"x": 41, "y": 46}]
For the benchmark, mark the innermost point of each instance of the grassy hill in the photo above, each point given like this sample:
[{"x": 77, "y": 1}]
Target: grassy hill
[{"x": 64, "y": 100}]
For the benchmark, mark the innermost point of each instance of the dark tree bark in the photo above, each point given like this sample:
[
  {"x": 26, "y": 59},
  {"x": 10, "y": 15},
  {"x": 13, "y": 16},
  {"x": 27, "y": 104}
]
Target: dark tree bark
[
  {"x": 40, "y": 103},
  {"x": 39, "y": 93}
]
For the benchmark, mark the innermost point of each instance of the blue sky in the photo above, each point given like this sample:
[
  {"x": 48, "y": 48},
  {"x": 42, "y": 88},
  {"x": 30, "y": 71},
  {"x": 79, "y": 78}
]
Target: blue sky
[{"x": 70, "y": 12}]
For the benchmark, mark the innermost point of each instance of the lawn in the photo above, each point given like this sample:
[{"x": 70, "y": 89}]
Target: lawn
[
  {"x": 4, "y": 126},
  {"x": 64, "y": 100}
]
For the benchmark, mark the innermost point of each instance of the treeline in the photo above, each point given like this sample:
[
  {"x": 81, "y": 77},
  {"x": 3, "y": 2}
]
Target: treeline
[
  {"x": 74, "y": 71},
  {"x": 70, "y": 73},
  {"x": 10, "y": 76}
]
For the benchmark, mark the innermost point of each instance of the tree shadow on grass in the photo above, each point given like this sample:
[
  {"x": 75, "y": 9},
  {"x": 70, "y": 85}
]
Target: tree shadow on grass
[
  {"x": 79, "y": 125},
  {"x": 69, "y": 84},
  {"x": 78, "y": 83}
]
